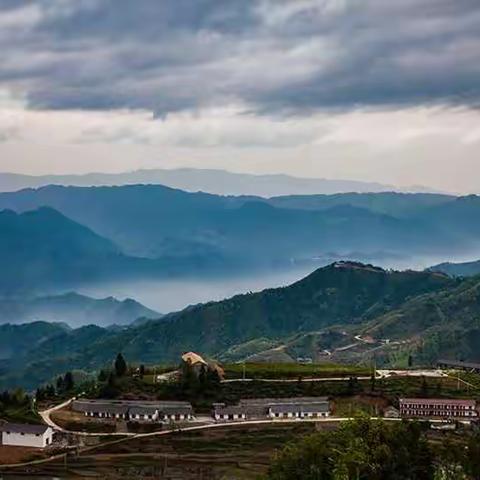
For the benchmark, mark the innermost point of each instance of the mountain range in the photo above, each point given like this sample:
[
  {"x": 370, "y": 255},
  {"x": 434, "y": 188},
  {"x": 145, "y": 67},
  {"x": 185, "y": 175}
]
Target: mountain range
[
  {"x": 343, "y": 312},
  {"x": 217, "y": 232},
  {"x": 219, "y": 182},
  {"x": 74, "y": 309},
  {"x": 58, "y": 238}
]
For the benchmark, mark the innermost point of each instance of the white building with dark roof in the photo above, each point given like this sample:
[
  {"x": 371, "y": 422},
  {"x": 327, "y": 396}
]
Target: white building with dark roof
[
  {"x": 23, "y": 435},
  {"x": 258, "y": 408},
  {"x": 299, "y": 410},
  {"x": 135, "y": 410},
  {"x": 228, "y": 413}
]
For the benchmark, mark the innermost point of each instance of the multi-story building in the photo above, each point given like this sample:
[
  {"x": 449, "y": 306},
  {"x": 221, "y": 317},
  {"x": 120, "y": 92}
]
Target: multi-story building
[{"x": 438, "y": 408}]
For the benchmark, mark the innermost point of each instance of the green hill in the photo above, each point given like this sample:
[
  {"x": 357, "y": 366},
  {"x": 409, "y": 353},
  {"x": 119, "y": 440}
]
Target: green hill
[
  {"x": 445, "y": 323},
  {"x": 342, "y": 294}
]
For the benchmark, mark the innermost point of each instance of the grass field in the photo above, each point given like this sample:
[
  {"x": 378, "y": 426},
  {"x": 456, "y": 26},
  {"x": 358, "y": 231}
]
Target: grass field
[
  {"x": 20, "y": 414},
  {"x": 293, "y": 370}
]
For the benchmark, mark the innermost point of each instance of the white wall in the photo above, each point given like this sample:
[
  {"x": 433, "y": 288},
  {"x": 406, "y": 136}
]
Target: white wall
[{"x": 27, "y": 440}]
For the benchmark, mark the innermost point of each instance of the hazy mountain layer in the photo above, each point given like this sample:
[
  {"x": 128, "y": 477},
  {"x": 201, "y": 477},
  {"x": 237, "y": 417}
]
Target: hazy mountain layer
[
  {"x": 42, "y": 250},
  {"x": 75, "y": 310},
  {"x": 156, "y": 221},
  {"x": 194, "y": 180},
  {"x": 465, "y": 269}
]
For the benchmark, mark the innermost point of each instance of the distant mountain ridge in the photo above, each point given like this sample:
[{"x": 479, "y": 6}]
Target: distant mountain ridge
[
  {"x": 75, "y": 310},
  {"x": 42, "y": 250},
  {"x": 464, "y": 269},
  {"x": 157, "y": 221},
  {"x": 218, "y": 182}
]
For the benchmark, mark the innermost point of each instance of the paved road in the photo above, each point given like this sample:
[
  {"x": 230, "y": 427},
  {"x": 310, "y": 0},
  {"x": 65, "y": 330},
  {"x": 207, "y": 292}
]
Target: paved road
[{"x": 45, "y": 414}]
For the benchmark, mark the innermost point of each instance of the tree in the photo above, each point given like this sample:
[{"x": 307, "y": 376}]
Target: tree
[
  {"x": 472, "y": 456},
  {"x": 50, "y": 391},
  {"x": 141, "y": 371},
  {"x": 372, "y": 381},
  {"x": 362, "y": 449},
  {"x": 39, "y": 394},
  {"x": 120, "y": 366},
  {"x": 68, "y": 382},
  {"x": 60, "y": 384},
  {"x": 189, "y": 380},
  {"x": 202, "y": 378},
  {"x": 102, "y": 376}
]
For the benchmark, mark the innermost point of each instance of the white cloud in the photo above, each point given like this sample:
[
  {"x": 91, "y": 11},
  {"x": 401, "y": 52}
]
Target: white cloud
[{"x": 424, "y": 145}]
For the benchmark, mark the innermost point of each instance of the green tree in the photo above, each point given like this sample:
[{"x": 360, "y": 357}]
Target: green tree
[
  {"x": 472, "y": 456},
  {"x": 68, "y": 382},
  {"x": 359, "y": 450},
  {"x": 60, "y": 385},
  {"x": 120, "y": 366}
]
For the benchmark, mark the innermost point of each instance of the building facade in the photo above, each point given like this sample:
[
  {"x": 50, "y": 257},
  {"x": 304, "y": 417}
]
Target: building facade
[
  {"x": 19, "y": 435},
  {"x": 135, "y": 411},
  {"x": 273, "y": 408},
  {"x": 438, "y": 408},
  {"x": 228, "y": 413}
]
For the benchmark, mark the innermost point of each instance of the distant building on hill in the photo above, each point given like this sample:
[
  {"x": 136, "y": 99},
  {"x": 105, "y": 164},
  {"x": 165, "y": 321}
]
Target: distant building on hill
[
  {"x": 459, "y": 365},
  {"x": 198, "y": 363},
  {"x": 274, "y": 408},
  {"x": 135, "y": 410},
  {"x": 438, "y": 408},
  {"x": 22, "y": 435}
]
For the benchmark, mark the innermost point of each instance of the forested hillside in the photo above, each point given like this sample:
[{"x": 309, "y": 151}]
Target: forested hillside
[{"x": 342, "y": 295}]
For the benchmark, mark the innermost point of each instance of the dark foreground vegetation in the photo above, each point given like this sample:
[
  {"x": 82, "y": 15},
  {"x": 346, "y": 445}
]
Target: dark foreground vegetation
[{"x": 372, "y": 450}]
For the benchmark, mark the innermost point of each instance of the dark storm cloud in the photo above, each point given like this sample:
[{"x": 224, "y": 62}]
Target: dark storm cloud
[{"x": 275, "y": 56}]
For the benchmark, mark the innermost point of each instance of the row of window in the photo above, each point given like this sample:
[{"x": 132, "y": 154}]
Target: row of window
[{"x": 438, "y": 406}]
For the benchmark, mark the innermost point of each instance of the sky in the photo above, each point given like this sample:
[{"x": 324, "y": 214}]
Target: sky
[{"x": 374, "y": 90}]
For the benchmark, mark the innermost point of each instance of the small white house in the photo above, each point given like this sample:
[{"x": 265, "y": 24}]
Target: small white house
[{"x": 19, "y": 435}]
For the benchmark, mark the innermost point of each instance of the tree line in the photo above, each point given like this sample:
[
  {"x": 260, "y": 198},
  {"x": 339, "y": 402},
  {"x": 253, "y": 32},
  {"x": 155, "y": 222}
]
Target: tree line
[{"x": 365, "y": 449}]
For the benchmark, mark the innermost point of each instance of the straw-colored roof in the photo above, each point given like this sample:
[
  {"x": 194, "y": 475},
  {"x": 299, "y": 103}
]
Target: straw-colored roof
[{"x": 193, "y": 358}]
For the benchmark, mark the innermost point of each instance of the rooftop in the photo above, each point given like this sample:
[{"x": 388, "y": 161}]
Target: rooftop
[
  {"x": 298, "y": 407},
  {"x": 193, "y": 358},
  {"x": 439, "y": 401},
  {"x": 24, "y": 428},
  {"x": 279, "y": 401}
]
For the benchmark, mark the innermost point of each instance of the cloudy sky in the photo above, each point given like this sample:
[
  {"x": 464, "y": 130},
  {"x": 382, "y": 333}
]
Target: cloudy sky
[{"x": 356, "y": 89}]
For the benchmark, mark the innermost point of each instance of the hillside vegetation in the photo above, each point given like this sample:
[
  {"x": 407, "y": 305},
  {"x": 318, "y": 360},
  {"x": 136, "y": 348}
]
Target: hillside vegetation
[{"x": 342, "y": 296}]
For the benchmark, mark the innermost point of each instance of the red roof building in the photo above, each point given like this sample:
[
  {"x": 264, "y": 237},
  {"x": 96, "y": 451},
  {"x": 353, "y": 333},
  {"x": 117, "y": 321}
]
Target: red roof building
[{"x": 438, "y": 408}]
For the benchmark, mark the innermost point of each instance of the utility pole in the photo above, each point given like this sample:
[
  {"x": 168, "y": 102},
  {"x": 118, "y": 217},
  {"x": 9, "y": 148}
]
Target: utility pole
[{"x": 244, "y": 371}]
